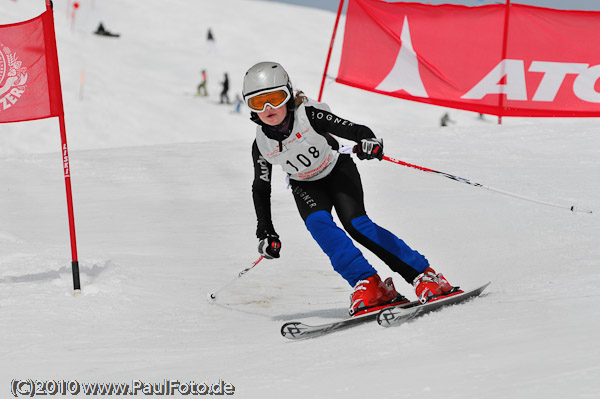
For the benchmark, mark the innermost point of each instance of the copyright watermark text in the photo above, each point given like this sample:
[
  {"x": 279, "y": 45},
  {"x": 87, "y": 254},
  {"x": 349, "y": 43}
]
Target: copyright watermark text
[{"x": 31, "y": 388}]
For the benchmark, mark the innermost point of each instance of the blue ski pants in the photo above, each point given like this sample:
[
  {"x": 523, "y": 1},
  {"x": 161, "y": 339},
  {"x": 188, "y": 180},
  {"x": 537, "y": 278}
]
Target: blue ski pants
[{"x": 342, "y": 190}]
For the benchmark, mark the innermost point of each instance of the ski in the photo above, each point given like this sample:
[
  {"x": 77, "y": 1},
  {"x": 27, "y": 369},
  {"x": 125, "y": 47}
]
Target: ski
[
  {"x": 396, "y": 315},
  {"x": 298, "y": 330},
  {"x": 387, "y": 316}
]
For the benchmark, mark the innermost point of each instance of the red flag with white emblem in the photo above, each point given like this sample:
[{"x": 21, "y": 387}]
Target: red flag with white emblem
[
  {"x": 30, "y": 89},
  {"x": 29, "y": 77},
  {"x": 511, "y": 60}
]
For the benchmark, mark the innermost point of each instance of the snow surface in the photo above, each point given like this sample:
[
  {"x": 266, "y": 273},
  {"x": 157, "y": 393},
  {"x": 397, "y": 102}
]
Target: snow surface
[{"x": 161, "y": 184}]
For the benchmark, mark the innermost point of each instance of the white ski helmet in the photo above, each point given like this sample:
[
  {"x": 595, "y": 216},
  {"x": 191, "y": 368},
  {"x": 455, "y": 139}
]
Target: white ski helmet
[{"x": 264, "y": 76}]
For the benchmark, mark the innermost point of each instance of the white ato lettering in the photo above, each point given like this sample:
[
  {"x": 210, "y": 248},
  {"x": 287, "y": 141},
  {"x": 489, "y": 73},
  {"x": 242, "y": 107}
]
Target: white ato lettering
[{"x": 515, "y": 86}]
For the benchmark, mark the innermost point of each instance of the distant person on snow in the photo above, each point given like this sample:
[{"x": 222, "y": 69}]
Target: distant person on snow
[
  {"x": 238, "y": 103},
  {"x": 210, "y": 40},
  {"x": 202, "y": 85},
  {"x": 296, "y": 133},
  {"x": 101, "y": 31},
  {"x": 225, "y": 91},
  {"x": 445, "y": 120}
]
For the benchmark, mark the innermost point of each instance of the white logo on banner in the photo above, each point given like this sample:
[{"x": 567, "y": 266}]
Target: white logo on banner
[
  {"x": 554, "y": 75},
  {"x": 12, "y": 78},
  {"x": 405, "y": 73}
]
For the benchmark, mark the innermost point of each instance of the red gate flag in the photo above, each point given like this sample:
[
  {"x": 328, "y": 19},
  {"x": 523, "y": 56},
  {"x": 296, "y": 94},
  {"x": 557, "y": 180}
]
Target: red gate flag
[
  {"x": 29, "y": 77},
  {"x": 30, "y": 89},
  {"x": 505, "y": 60}
]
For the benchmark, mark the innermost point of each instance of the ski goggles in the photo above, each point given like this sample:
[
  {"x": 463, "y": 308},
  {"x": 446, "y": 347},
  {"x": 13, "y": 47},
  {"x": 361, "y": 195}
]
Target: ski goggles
[{"x": 275, "y": 97}]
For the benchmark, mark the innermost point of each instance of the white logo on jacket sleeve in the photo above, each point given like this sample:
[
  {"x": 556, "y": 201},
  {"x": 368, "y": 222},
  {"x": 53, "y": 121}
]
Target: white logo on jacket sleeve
[
  {"x": 264, "y": 169},
  {"x": 329, "y": 117}
]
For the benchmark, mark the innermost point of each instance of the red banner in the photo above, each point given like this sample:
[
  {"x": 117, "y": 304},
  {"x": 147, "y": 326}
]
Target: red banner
[
  {"x": 29, "y": 77},
  {"x": 503, "y": 60}
]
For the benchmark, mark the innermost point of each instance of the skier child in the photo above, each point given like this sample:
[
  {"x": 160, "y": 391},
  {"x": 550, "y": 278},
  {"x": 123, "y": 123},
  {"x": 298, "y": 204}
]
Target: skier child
[{"x": 296, "y": 133}]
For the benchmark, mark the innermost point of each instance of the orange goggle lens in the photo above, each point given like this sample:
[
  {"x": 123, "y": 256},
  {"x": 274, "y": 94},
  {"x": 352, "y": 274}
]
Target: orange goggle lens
[{"x": 273, "y": 98}]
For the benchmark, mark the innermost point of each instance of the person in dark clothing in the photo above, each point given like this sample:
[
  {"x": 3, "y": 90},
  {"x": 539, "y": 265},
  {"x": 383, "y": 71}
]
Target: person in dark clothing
[
  {"x": 101, "y": 31},
  {"x": 225, "y": 91},
  {"x": 445, "y": 120},
  {"x": 298, "y": 134},
  {"x": 210, "y": 40}
]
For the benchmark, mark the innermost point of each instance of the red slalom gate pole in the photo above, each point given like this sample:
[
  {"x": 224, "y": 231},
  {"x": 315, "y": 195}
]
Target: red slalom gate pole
[
  {"x": 52, "y": 64},
  {"x": 71, "y": 214},
  {"x": 504, "y": 50},
  {"x": 337, "y": 20}
]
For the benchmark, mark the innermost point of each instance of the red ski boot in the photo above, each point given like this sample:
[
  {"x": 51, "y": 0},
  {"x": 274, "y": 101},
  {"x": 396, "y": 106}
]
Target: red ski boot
[
  {"x": 372, "y": 293},
  {"x": 430, "y": 285}
]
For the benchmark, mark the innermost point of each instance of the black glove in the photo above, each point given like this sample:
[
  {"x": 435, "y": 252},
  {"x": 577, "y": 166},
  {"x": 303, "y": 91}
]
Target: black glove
[
  {"x": 269, "y": 246},
  {"x": 369, "y": 149}
]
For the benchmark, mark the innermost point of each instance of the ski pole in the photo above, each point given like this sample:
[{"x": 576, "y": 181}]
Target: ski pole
[
  {"x": 572, "y": 208},
  {"x": 212, "y": 296}
]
